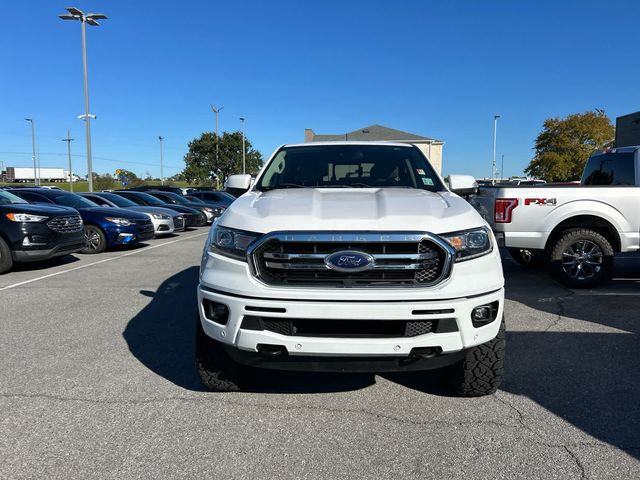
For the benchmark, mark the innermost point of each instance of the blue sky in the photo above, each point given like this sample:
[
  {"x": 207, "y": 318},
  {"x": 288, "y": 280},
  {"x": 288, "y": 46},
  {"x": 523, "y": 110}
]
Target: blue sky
[{"x": 439, "y": 69}]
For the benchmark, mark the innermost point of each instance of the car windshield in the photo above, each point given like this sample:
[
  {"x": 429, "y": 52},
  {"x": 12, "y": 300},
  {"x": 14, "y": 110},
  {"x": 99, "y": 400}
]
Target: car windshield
[
  {"x": 355, "y": 166},
  {"x": 118, "y": 200},
  {"x": 149, "y": 199},
  {"x": 74, "y": 201},
  {"x": 194, "y": 199},
  {"x": 177, "y": 198},
  {"x": 7, "y": 198}
]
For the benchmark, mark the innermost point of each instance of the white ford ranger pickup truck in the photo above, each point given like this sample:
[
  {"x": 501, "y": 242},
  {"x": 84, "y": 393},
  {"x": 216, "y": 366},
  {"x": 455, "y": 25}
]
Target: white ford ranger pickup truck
[{"x": 351, "y": 257}]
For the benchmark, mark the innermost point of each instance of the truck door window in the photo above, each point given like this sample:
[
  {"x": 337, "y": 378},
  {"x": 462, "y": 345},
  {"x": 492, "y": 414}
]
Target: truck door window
[{"x": 610, "y": 169}]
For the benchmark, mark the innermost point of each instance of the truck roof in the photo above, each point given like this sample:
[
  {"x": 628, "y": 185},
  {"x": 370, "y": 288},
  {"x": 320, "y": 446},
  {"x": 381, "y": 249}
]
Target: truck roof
[
  {"x": 619, "y": 149},
  {"x": 347, "y": 142}
]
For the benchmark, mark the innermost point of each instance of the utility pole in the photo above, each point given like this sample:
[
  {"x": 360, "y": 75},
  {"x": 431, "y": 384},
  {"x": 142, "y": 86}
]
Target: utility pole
[
  {"x": 495, "y": 137},
  {"x": 161, "y": 138},
  {"x": 33, "y": 154},
  {"x": 217, "y": 112},
  {"x": 244, "y": 165},
  {"x": 69, "y": 140}
]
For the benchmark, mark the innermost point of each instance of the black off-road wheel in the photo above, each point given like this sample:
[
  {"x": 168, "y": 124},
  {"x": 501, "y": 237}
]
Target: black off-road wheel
[
  {"x": 526, "y": 258},
  {"x": 581, "y": 258},
  {"x": 218, "y": 372},
  {"x": 481, "y": 371},
  {"x": 95, "y": 240},
  {"x": 6, "y": 260}
]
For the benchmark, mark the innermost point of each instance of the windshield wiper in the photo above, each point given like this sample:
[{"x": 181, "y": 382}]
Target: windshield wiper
[{"x": 279, "y": 186}]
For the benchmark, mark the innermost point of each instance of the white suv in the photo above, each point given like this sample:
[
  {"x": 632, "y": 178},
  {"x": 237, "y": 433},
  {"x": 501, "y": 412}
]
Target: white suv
[{"x": 351, "y": 257}]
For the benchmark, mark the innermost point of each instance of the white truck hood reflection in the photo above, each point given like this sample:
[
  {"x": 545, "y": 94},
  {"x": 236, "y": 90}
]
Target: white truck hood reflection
[{"x": 364, "y": 209}]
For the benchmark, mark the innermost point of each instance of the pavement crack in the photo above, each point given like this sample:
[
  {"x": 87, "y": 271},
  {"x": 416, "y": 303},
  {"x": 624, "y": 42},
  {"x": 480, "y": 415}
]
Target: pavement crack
[
  {"x": 227, "y": 401},
  {"x": 559, "y": 302},
  {"x": 583, "y": 474}
]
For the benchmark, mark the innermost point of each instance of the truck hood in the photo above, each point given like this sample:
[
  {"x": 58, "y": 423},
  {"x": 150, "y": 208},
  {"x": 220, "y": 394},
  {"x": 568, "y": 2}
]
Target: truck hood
[{"x": 374, "y": 209}]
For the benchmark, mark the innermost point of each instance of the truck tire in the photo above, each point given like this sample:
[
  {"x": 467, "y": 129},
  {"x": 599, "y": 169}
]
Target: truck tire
[
  {"x": 96, "y": 242},
  {"x": 526, "y": 258},
  {"x": 218, "y": 372},
  {"x": 581, "y": 258},
  {"x": 480, "y": 372},
  {"x": 6, "y": 261}
]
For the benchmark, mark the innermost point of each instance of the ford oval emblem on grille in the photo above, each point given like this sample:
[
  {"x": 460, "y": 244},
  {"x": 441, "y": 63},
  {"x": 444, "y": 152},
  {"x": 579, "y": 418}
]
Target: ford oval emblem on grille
[{"x": 349, "y": 261}]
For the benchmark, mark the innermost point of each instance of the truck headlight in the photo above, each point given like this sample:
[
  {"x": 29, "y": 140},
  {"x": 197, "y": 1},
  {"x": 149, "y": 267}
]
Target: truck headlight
[
  {"x": 230, "y": 242},
  {"x": 25, "y": 217},
  {"x": 124, "y": 222},
  {"x": 470, "y": 244}
]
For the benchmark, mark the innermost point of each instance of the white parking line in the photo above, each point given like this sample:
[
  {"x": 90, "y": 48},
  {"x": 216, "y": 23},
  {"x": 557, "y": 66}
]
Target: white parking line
[{"x": 145, "y": 249}]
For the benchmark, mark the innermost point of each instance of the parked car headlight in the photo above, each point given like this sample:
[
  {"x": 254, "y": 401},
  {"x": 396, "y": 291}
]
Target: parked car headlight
[
  {"x": 470, "y": 244},
  {"x": 25, "y": 217},
  {"x": 217, "y": 211},
  {"x": 124, "y": 222},
  {"x": 230, "y": 242},
  {"x": 161, "y": 216}
]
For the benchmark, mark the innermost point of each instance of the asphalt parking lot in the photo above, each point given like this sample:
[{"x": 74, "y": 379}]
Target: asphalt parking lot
[{"x": 98, "y": 381}]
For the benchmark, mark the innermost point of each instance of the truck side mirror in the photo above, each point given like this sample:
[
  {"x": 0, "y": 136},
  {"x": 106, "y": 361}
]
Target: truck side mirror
[
  {"x": 462, "y": 185},
  {"x": 238, "y": 184}
]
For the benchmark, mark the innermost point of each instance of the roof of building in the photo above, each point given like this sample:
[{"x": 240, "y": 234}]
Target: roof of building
[{"x": 375, "y": 133}]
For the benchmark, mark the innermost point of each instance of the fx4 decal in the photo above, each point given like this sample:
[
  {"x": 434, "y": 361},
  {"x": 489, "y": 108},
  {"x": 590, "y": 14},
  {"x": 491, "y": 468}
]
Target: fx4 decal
[{"x": 540, "y": 201}]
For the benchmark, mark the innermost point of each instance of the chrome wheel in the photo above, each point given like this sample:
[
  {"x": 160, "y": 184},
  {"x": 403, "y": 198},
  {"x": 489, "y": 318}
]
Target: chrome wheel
[
  {"x": 92, "y": 239},
  {"x": 582, "y": 260}
]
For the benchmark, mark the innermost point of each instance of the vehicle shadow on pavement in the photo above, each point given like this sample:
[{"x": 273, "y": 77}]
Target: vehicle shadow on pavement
[
  {"x": 45, "y": 264},
  {"x": 162, "y": 337},
  {"x": 585, "y": 374}
]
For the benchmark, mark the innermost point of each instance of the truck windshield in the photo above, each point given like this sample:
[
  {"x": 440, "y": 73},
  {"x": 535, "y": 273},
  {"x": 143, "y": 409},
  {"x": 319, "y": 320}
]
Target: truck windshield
[
  {"x": 7, "y": 198},
  {"x": 355, "y": 166},
  {"x": 610, "y": 169}
]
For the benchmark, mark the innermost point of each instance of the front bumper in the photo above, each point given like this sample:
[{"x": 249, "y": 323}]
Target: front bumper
[
  {"x": 34, "y": 255},
  {"x": 395, "y": 348},
  {"x": 162, "y": 226}
]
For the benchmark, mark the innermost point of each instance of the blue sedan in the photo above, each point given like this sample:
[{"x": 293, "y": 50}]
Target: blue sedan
[{"x": 103, "y": 227}]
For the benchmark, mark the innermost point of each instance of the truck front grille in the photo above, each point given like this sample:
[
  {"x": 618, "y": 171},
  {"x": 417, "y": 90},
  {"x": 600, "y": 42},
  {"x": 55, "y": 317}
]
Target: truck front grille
[
  {"x": 396, "y": 259},
  {"x": 340, "y": 328},
  {"x": 65, "y": 224}
]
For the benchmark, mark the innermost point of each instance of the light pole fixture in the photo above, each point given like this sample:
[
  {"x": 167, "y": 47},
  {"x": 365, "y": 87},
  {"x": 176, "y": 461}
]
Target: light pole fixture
[
  {"x": 217, "y": 112},
  {"x": 161, "y": 138},
  {"x": 33, "y": 154},
  {"x": 244, "y": 166},
  {"x": 495, "y": 137},
  {"x": 69, "y": 140},
  {"x": 91, "y": 19}
]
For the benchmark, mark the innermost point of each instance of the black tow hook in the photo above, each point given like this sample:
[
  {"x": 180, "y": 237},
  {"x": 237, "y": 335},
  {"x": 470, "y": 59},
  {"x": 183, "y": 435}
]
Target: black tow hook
[
  {"x": 271, "y": 350},
  {"x": 425, "y": 352}
]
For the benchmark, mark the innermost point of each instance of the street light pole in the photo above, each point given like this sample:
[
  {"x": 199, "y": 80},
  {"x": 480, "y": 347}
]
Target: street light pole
[
  {"x": 69, "y": 140},
  {"x": 90, "y": 18},
  {"x": 161, "y": 138},
  {"x": 33, "y": 150},
  {"x": 495, "y": 137},
  {"x": 217, "y": 112},
  {"x": 244, "y": 165},
  {"x": 502, "y": 169}
]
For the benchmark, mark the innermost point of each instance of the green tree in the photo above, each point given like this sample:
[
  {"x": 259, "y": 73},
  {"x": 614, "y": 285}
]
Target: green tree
[
  {"x": 103, "y": 182},
  {"x": 200, "y": 160},
  {"x": 565, "y": 144}
]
